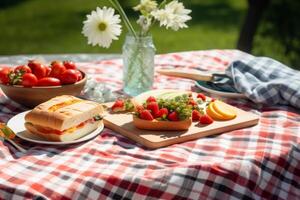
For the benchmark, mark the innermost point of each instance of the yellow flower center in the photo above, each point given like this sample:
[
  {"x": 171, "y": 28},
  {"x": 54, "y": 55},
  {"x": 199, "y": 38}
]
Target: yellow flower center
[{"x": 102, "y": 26}]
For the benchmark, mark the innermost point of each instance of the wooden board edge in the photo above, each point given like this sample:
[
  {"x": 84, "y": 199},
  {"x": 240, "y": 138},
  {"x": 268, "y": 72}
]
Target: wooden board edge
[
  {"x": 125, "y": 133},
  {"x": 155, "y": 145}
]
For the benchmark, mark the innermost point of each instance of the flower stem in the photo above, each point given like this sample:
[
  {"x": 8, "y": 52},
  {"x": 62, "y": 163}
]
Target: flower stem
[
  {"x": 117, "y": 5},
  {"x": 162, "y": 4}
]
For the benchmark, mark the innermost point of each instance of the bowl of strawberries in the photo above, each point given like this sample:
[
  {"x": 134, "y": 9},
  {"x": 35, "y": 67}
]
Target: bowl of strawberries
[{"x": 35, "y": 82}]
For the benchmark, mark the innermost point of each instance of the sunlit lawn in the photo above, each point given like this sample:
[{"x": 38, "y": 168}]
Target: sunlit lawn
[{"x": 53, "y": 26}]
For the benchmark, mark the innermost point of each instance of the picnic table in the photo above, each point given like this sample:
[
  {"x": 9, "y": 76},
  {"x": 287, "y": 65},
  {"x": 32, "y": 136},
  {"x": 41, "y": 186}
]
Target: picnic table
[{"x": 259, "y": 162}]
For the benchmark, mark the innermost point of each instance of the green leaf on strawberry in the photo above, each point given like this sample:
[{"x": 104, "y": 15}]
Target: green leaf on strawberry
[{"x": 129, "y": 105}]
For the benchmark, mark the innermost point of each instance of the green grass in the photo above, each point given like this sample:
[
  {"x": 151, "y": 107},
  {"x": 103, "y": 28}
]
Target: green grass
[{"x": 53, "y": 26}]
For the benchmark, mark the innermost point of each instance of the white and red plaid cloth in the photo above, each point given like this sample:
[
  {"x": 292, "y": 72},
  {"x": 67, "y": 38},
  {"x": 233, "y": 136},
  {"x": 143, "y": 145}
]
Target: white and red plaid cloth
[{"x": 260, "y": 162}]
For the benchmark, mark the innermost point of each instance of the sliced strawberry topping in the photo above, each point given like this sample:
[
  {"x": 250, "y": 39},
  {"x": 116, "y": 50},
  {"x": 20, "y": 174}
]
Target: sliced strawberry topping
[
  {"x": 173, "y": 116},
  {"x": 201, "y": 96},
  {"x": 151, "y": 99},
  {"x": 205, "y": 119},
  {"x": 146, "y": 115},
  {"x": 196, "y": 115}
]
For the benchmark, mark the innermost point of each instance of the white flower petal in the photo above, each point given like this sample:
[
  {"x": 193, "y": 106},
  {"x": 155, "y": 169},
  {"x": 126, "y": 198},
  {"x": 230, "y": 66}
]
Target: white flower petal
[
  {"x": 99, "y": 37},
  {"x": 146, "y": 6},
  {"x": 173, "y": 16}
]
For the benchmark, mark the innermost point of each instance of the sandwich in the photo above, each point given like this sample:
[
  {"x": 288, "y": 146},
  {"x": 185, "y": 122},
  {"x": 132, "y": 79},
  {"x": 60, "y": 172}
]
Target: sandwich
[{"x": 64, "y": 118}]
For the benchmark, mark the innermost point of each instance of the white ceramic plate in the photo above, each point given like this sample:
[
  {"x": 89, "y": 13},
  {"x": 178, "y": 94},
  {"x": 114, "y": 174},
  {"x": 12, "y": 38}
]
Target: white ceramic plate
[
  {"x": 220, "y": 93},
  {"x": 17, "y": 125}
]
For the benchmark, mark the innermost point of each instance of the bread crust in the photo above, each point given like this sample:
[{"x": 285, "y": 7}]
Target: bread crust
[
  {"x": 162, "y": 125},
  {"x": 65, "y": 117},
  {"x": 66, "y": 136}
]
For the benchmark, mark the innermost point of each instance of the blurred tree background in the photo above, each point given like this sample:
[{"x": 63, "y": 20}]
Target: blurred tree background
[{"x": 54, "y": 26}]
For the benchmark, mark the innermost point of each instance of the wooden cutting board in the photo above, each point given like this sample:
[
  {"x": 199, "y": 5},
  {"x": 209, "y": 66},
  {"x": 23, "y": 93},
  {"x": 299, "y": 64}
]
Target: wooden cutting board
[{"x": 122, "y": 123}]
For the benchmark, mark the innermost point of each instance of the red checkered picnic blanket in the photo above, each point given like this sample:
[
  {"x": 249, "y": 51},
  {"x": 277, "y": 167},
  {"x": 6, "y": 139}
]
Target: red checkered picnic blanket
[{"x": 252, "y": 163}]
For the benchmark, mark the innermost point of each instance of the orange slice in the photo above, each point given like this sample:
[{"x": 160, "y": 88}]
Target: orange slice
[
  {"x": 213, "y": 113},
  {"x": 224, "y": 109}
]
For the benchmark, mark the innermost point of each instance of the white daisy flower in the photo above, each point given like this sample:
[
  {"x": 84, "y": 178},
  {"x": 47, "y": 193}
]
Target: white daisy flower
[
  {"x": 178, "y": 8},
  {"x": 102, "y": 27},
  {"x": 178, "y": 22},
  {"x": 181, "y": 15},
  {"x": 173, "y": 16},
  {"x": 164, "y": 16},
  {"x": 146, "y": 6}
]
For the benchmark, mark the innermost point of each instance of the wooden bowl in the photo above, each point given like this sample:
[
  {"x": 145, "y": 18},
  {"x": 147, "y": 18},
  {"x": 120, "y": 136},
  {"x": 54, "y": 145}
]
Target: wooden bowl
[{"x": 31, "y": 97}]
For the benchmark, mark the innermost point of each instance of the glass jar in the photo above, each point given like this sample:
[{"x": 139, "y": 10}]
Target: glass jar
[{"x": 138, "y": 64}]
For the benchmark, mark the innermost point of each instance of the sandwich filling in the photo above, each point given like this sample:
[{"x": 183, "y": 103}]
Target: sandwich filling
[
  {"x": 63, "y": 104},
  {"x": 48, "y": 130}
]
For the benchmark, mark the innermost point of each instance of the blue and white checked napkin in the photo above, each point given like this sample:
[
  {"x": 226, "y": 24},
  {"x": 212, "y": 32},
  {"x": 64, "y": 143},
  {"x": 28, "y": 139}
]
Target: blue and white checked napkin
[{"x": 264, "y": 80}]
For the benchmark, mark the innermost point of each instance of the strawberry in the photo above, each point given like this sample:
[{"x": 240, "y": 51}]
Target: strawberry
[
  {"x": 173, "y": 116},
  {"x": 151, "y": 99},
  {"x": 118, "y": 106},
  {"x": 146, "y": 115},
  {"x": 201, "y": 96},
  {"x": 192, "y": 102},
  {"x": 163, "y": 113},
  {"x": 213, "y": 99},
  {"x": 205, "y": 119},
  {"x": 153, "y": 106},
  {"x": 139, "y": 108},
  {"x": 196, "y": 115}
]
